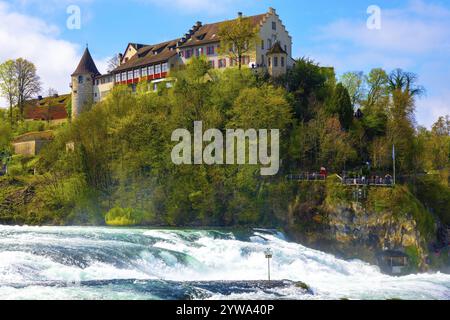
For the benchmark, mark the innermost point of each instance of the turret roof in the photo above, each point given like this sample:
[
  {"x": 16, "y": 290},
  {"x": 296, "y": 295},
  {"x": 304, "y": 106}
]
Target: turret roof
[
  {"x": 86, "y": 65},
  {"x": 276, "y": 48}
]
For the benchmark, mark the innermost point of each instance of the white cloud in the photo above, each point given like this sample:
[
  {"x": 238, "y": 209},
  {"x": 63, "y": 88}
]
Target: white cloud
[
  {"x": 38, "y": 41},
  {"x": 429, "y": 109},
  {"x": 409, "y": 38}
]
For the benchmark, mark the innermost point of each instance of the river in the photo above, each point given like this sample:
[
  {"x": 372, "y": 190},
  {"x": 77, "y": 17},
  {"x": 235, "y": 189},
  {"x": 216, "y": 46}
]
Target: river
[{"x": 111, "y": 263}]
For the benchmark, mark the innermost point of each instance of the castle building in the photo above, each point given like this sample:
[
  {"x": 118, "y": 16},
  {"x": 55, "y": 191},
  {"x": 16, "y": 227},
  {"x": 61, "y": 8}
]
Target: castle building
[
  {"x": 152, "y": 63},
  {"x": 83, "y": 81}
]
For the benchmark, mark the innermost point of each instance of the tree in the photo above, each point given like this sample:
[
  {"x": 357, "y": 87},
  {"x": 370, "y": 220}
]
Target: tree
[
  {"x": 237, "y": 38},
  {"x": 341, "y": 106},
  {"x": 405, "y": 82},
  {"x": 264, "y": 107},
  {"x": 5, "y": 138},
  {"x": 440, "y": 143},
  {"x": 113, "y": 63},
  {"x": 8, "y": 85},
  {"x": 307, "y": 83},
  {"x": 377, "y": 82},
  {"x": 28, "y": 82},
  {"x": 52, "y": 92},
  {"x": 354, "y": 83}
]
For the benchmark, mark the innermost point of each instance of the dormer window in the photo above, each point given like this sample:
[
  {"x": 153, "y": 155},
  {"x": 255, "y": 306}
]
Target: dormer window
[{"x": 201, "y": 37}]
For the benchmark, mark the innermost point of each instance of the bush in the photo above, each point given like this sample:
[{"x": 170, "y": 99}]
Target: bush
[
  {"x": 435, "y": 196},
  {"x": 121, "y": 217},
  {"x": 16, "y": 170}
]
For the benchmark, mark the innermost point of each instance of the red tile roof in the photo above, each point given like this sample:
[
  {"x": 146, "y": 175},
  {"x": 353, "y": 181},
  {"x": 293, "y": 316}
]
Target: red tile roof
[
  {"x": 209, "y": 33},
  {"x": 51, "y": 108},
  {"x": 151, "y": 54}
]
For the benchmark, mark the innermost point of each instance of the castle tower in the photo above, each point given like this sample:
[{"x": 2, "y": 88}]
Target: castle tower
[
  {"x": 83, "y": 84},
  {"x": 277, "y": 60}
]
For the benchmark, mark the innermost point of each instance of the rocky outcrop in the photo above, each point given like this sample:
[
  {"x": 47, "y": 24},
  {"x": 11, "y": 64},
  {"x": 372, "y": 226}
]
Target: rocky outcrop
[{"x": 362, "y": 230}]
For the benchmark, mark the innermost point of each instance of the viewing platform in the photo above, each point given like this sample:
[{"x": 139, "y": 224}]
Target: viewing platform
[
  {"x": 382, "y": 182},
  {"x": 386, "y": 182},
  {"x": 312, "y": 177}
]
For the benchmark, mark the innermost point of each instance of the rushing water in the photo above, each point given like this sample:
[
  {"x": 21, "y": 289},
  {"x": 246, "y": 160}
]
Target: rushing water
[{"x": 106, "y": 263}]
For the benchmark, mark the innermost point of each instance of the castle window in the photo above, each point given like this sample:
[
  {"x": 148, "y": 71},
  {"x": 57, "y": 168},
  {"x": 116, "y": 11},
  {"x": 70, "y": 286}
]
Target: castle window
[
  {"x": 262, "y": 44},
  {"x": 80, "y": 79},
  {"x": 222, "y": 63},
  {"x": 282, "y": 62},
  {"x": 275, "y": 61},
  {"x": 285, "y": 48},
  {"x": 262, "y": 60},
  {"x": 210, "y": 50},
  {"x": 274, "y": 26},
  {"x": 269, "y": 62},
  {"x": 269, "y": 42}
]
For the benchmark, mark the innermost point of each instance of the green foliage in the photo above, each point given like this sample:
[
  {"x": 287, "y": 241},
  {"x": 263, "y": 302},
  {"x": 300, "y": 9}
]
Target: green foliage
[
  {"x": 5, "y": 137},
  {"x": 413, "y": 258},
  {"x": 435, "y": 196},
  {"x": 307, "y": 82},
  {"x": 237, "y": 38},
  {"x": 401, "y": 202},
  {"x": 335, "y": 194},
  {"x": 341, "y": 106},
  {"x": 354, "y": 82},
  {"x": 121, "y": 217}
]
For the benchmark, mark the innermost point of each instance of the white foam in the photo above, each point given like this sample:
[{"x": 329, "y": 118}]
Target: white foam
[{"x": 190, "y": 256}]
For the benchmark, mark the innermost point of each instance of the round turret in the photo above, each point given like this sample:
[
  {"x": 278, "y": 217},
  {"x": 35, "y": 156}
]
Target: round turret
[{"x": 83, "y": 84}]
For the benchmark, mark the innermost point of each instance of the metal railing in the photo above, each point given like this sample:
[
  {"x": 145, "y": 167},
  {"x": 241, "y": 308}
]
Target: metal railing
[
  {"x": 307, "y": 177},
  {"x": 376, "y": 182}
]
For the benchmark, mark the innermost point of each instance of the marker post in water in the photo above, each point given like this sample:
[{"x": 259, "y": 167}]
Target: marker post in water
[{"x": 269, "y": 256}]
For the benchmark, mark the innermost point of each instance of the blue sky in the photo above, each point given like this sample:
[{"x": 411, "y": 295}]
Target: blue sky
[{"x": 414, "y": 35}]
